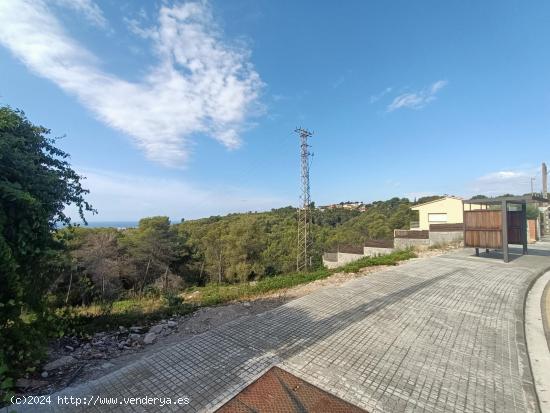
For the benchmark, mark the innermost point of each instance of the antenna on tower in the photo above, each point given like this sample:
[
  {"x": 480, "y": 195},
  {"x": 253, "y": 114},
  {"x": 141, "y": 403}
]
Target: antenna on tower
[{"x": 303, "y": 257}]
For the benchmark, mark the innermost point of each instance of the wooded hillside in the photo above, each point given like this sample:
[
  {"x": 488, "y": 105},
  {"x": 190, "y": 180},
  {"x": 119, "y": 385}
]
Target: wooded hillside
[{"x": 103, "y": 263}]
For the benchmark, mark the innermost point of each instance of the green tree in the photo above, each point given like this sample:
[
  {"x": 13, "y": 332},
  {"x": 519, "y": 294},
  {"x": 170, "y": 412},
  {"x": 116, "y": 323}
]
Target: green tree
[
  {"x": 401, "y": 218},
  {"x": 532, "y": 212},
  {"x": 429, "y": 198},
  {"x": 99, "y": 258},
  {"x": 154, "y": 250},
  {"x": 36, "y": 183},
  {"x": 378, "y": 227}
]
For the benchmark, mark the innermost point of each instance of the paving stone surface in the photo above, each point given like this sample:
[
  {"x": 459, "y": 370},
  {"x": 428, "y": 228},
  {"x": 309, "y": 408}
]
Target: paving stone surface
[{"x": 443, "y": 334}]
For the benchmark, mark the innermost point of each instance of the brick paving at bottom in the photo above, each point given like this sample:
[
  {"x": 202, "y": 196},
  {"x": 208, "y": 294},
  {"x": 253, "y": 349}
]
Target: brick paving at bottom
[
  {"x": 443, "y": 334},
  {"x": 278, "y": 391}
]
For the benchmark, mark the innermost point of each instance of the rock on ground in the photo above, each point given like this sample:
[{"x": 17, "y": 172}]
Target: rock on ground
[
  {"x": 156, "y": 329},
  {"x": 60, "y": 362},
  {"x": 149, "y": 338},
  {"x": 29, "y": 383}
]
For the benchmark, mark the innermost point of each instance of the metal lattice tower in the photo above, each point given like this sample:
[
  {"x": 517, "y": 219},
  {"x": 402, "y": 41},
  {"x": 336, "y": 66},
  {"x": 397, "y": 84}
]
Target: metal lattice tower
[
  {"x": 544, "y": 181},
  {"x": 303, "y": 257}
]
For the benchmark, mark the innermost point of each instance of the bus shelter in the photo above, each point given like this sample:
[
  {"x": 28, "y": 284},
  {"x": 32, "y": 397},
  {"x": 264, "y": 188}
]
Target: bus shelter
[{"x": 495, "y": 223}]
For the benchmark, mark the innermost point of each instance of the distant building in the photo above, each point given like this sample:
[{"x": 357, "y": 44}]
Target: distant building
[
  {"x": 446, "y": 210},
  {"x": 359, "y": 206}
]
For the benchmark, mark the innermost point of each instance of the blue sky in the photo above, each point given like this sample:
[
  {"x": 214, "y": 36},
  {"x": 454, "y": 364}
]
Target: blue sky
[{"x": 187, "y": 109}]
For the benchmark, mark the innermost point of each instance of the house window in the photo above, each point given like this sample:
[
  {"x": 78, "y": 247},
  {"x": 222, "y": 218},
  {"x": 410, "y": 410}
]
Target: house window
[{"x": 437, "y": 217}]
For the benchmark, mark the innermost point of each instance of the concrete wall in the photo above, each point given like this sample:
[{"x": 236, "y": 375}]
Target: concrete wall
[
  {"x": 334, "y": 260},
  {"x": 337, "y": 259},
  {"x": 545, "y": 220},
  {"x": 330, "y": 264},
  {"x": 375, "y": 251},
  {"x": 330, "y": 260},
  {"x": 404, "y": 243},
  {"x": 443, "y": 238},
  {"x": 344, "y": 257}
]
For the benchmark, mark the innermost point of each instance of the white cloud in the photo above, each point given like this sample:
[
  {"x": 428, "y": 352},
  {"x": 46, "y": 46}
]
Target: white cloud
[
  {"x": 502, "y": 176},
  {"x": 515, "y": 182},
  {"x": 138, "y": 26},
  {"x": 122, "y": 197},
  {"x": 87, "y": 8},
  {"x": 418, "y": 99},
  {"x": 378, "y": 96},
  {"x": 199, "y": 84}
]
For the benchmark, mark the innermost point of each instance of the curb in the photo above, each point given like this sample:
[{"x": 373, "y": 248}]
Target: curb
[
  {"x": 532, "y": 335},
  {"x": 545, "y": 307}
]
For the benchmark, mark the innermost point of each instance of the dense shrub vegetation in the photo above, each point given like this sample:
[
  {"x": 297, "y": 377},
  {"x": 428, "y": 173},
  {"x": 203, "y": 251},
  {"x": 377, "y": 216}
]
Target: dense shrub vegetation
[
  {"x": 36, "y": 182},
  {"x": 143, "y": 308}
]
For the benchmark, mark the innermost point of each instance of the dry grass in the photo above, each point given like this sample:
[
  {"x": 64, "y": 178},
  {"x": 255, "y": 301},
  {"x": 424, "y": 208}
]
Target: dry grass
[{"x": 97, "y": 317}]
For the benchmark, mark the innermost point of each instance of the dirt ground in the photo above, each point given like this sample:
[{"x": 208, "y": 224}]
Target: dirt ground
[{"x": 198, "y": 322}]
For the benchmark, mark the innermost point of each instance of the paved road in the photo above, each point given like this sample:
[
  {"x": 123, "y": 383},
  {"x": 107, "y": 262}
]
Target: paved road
[{"x": 434, "y": 335}]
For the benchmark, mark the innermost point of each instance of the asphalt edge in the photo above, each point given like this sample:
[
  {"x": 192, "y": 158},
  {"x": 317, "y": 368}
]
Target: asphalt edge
[{"x": 529, "y": 354}]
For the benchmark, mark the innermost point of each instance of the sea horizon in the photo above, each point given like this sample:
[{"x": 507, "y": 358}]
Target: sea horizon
[{"x": 109, "y": 224}]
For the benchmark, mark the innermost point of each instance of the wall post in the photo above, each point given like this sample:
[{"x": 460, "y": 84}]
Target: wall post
[
  {"x": 524, "y": 227},
  {"x": 505, "y": 230}
]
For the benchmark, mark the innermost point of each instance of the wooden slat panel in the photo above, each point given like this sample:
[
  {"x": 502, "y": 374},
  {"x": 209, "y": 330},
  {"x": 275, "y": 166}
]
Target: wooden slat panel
[
  {"x": 446, "y": 227},
  {"x": 351, "y": 249},
  {"x": 515, "y": 227},
  {"x": 482, "y": 219},
  {"x": 483, "y": 239},
  {"x": 379, "y": 243},
  {"x": 532, "y": 225},
  {"x": 482, "y": 229},
  {"x": 403, "y": 233}
]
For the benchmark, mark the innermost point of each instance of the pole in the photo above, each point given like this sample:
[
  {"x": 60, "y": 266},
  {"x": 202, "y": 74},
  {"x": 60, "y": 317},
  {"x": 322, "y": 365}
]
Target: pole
[
  {"x": 304, "y": 209},
  {"x": 524, "y": 227},
  {"x": 505, "y": 230}
]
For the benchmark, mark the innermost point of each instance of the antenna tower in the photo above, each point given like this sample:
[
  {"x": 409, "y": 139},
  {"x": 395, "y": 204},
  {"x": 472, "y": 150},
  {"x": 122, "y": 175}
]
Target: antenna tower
[{"x": 303, "y": 257}]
